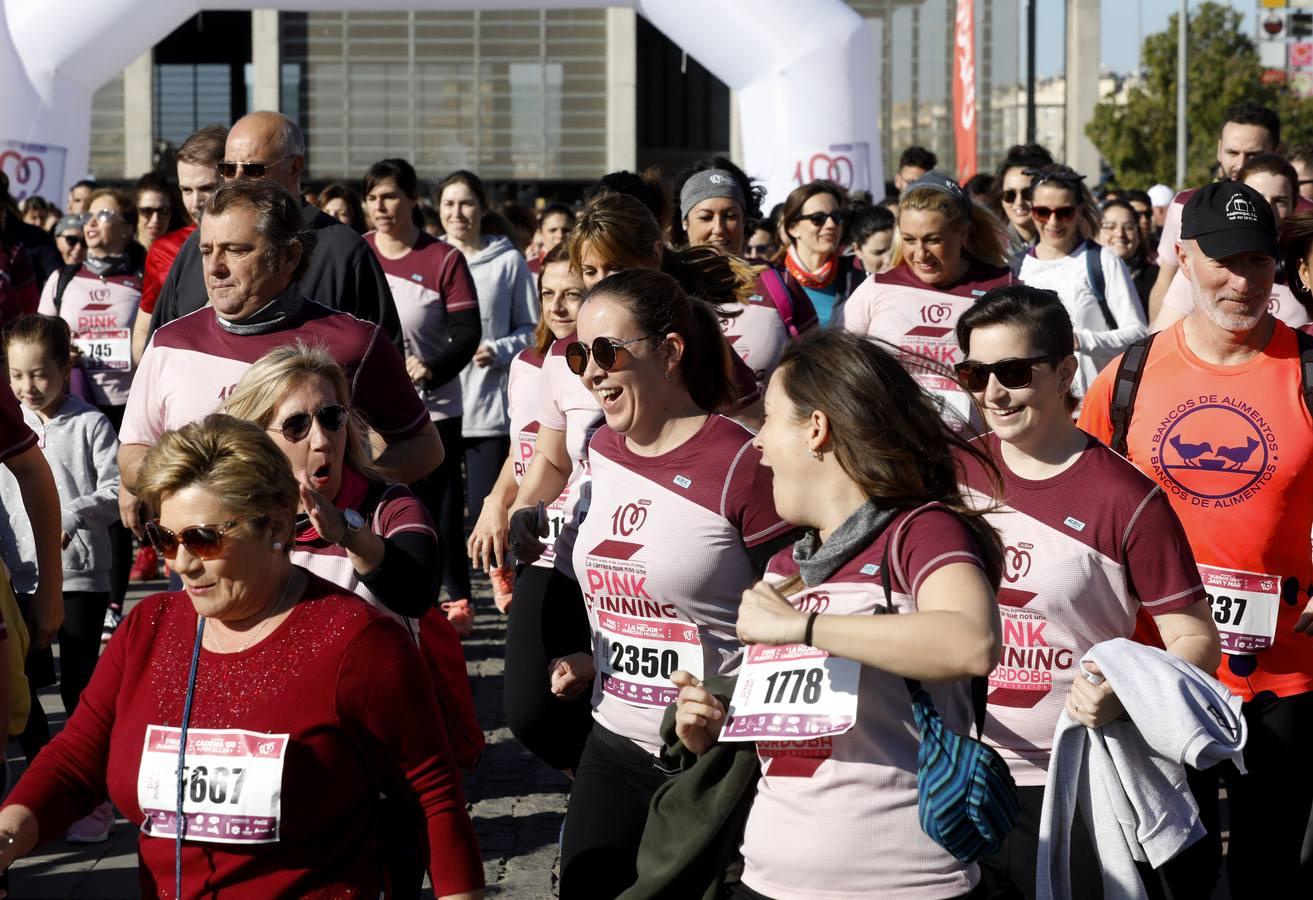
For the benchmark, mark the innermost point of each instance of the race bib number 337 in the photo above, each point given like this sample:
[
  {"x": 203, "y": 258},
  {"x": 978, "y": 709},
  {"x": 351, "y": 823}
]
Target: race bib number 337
[
  {"x": 232, "y": 784},
  {"x": 1244, "y": 606}
]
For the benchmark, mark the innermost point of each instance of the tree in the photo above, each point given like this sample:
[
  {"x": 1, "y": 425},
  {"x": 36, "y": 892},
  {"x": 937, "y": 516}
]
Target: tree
[{"x": 1138, "y": 139}]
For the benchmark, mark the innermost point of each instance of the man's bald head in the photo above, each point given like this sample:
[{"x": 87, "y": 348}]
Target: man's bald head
[{"x": 270, "y": 139}]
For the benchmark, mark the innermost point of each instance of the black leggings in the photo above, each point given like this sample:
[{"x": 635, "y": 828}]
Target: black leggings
[
  {"x": 1009, "y": 874},
  {"x": 79, "y": 648},
  {"x": 547, "y": 621},
  {"x": 443, "y": 494},
  {"x": 613, "y": 788},
  {"x": 483, "y": 461}
]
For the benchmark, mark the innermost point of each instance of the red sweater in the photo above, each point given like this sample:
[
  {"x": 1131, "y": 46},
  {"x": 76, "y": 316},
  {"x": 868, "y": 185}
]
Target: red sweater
[
  {"x": 159, "y": 259},
  {"x": 342, "y": 680}
]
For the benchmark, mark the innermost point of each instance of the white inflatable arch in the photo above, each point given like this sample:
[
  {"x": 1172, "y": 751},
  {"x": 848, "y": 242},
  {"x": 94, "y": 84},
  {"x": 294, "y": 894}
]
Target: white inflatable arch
[{"x": 805, "y": 73}]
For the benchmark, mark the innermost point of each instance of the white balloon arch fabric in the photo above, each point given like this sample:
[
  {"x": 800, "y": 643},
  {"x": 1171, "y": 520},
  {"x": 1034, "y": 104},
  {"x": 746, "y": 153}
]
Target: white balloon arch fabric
[{"x": 805, "y": 73}]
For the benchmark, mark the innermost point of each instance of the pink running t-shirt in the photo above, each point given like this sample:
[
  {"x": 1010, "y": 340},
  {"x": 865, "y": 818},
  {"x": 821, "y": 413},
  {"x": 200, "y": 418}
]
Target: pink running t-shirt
[
  {"x": 100, "y": 313},
  {"x": 522, "y": 388}
]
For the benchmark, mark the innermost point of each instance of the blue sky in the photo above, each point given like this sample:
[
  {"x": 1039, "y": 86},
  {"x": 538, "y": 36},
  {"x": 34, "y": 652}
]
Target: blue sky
[{"x": 1123, "y": 27}]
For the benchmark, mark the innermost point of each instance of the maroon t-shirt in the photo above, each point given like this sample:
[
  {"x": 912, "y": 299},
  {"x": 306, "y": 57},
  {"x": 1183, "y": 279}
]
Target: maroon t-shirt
[{"x": 15, "y": 436}]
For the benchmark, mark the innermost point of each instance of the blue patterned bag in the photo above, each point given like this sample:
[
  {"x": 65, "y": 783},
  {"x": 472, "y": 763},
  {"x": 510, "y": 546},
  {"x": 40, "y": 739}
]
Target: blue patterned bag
[{"x": 966, "y": 797}]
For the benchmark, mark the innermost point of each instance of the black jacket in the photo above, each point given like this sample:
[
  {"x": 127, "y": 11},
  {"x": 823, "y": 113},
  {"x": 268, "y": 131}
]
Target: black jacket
[{"x": 342, "y": 274}]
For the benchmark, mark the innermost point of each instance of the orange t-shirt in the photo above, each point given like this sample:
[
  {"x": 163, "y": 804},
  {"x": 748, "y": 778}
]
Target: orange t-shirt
[{"x": 1232, "y": 446}]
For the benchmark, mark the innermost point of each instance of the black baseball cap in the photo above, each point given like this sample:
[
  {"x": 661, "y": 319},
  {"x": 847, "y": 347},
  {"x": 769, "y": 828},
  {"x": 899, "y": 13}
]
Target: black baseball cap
[{"x": 1227, "y": 217}]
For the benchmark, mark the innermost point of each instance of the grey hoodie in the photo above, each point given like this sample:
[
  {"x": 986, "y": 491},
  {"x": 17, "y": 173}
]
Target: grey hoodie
[
  {"x": 508, "y": 307},
  {"x": 80, "y": 445},
  {"x": 1130, "y": 774}
]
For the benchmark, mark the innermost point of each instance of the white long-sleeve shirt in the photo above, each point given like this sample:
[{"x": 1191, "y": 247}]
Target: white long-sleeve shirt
[{"x": 1070, "y": 279}]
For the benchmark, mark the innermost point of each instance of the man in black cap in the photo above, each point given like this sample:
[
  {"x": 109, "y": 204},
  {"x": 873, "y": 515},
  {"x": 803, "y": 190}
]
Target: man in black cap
[{"x": 1216, "y": 409}]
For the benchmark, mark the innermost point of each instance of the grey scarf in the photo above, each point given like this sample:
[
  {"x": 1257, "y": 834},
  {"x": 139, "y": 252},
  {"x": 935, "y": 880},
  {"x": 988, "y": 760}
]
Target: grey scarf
[
  {"x": 817, "y": 562},
  {"x": 273, "y": 316},
  {"x": 104, "y": 266}
]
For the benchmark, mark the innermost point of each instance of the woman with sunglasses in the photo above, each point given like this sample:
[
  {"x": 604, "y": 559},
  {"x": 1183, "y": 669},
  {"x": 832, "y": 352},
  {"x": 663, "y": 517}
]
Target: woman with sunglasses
[
  {"x": 716, "y": 200},
  {"x": 354, "y": 529},
  {"x": 1094, "y": 284},
  {"x": 159, "y": 208},
  {"x": 680, "y": 522},
  {"x": 862, "y": 460},
  {"x": 1120, "y": 232},
  {"x": 950, "y": 251},
  {"x": 259, "y": 687},
  {"x": 438, "y": 306},
  {"x": 1090, "y": 542},
  {"x": 1012, "y": 188},
  {"x": 562, "y": 290},
  {"x": 812, "y": 224},
  {"x": 68, "y": 237}
]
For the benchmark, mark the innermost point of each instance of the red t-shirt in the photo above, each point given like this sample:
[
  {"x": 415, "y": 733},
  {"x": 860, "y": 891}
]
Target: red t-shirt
[
  {"x": 347, "y": 686},
  {"x": 159, "y": 259},
  {"x": 1232, "y": 447}
]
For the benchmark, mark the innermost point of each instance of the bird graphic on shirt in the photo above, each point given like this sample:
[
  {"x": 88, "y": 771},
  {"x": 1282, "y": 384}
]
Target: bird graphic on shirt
[
  {"x": 1238, "y": 455},
  {"x": 1189, "y": 451}
]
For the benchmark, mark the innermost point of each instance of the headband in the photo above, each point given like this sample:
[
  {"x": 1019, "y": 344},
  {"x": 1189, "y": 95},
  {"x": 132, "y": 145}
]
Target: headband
[
  {"x": 707, "y": 185},
  {"x": 938, "y": 181}
]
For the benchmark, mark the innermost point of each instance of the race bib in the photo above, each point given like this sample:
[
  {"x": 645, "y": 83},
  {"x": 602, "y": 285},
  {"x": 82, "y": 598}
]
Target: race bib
[
  {"x": 1244, "y": 606},
  {"x": 108, "y": 349},
  {"x": 232, "y": 784},
  {"x": 555, "y": 522},
  {"x": 638, "y": 656},
  {"x": 792, "y": 693}
]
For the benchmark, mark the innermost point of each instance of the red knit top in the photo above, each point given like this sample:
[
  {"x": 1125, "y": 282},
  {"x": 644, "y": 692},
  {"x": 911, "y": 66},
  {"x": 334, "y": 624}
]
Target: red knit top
[{"x": 346, "y": 684}]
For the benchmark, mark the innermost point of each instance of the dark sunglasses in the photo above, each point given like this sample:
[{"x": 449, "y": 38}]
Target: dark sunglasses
[
  {"x": 818, "y": 218},
  {"x": 1011, "y": 373},
  {"x": 248, "y": 170},
  {"x": 147, "y": 212},
  {"x": 603, "y": 352},
  {"x": 201, "y": 541},
  {"x": 1011, "y": 195},
  {"x": 297, "y": 426},
  {"x": 72, "y": 240},
  {"x": 1044, "y": 213}
]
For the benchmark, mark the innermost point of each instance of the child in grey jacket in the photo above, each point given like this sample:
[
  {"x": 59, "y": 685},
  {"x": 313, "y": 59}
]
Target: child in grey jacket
[{"x": 80, "y": 446}]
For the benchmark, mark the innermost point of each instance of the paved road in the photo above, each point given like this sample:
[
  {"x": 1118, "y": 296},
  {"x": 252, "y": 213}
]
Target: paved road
[{"x": 517, "y": 803}]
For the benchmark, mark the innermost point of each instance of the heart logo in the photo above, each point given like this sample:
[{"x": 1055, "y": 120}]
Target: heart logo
[{"x": 26, "y": 173}]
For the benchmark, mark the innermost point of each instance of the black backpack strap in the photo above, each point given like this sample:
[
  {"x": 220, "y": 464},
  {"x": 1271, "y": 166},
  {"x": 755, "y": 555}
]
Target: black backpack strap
[
  {"x": 1094, "y": 271},
  {"x": 979, "y": 686},
  {"x": 66, "y": 275},
  {"x": 1124, "y": 388},
  {"x": 1015, "y": 264},
  {"x": 1305, "y": 342}
]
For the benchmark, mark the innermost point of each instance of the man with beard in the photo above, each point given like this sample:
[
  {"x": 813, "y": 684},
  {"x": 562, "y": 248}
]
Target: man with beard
[{"x": 1216, "y": 409}]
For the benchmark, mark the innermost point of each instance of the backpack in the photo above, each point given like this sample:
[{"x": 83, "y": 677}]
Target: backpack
[
  {"x": 1093, "y": 254},
  {"x": 1130, "y": 370},
  {"x": 778, "y": 291},
  {"x": 66, "y": 276},
  {"x": 966, "y": 797}
]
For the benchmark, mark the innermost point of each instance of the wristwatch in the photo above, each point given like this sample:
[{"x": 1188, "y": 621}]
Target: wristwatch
[{"x": 354, "y": 522}]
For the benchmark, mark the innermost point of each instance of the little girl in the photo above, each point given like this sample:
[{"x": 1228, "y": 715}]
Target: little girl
[{"x": 81, "y": 447}]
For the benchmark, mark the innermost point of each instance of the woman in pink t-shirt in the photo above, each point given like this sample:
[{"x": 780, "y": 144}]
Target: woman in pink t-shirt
[
  {"x": 863, "y": 461},
  {"x": 1091, "y": 542},
  {"x": 680, "y": 522},
  {"x": 716, "y": 203}
]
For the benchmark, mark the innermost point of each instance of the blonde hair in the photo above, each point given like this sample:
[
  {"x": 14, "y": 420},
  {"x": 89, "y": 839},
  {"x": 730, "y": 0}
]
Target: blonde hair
[
  {"x": 232, "y": 458},
  {"x": 284, "y": 369},
  {"x": 985, "y": 239}
]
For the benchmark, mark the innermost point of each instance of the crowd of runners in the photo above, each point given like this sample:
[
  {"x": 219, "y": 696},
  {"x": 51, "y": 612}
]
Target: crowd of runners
[{"x": 951, "y": 545}]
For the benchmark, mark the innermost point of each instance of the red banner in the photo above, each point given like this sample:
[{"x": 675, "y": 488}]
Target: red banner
[{"x": 964, "y": 88}]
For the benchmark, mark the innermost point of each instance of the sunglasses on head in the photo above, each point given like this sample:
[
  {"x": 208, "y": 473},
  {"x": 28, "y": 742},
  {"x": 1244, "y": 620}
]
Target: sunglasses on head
[
  {"x": 603, "y": 352},
  {"x": 1011, "y": 373},
  {"x": 201, "y": 541},
  {"x": 818, "y": 218},
  {"x": 1011, "y": 195},
  {"x": 1044, "y": 213},
  {"x": 228, "y": 169},
  {"x": 297, "y": 426}
]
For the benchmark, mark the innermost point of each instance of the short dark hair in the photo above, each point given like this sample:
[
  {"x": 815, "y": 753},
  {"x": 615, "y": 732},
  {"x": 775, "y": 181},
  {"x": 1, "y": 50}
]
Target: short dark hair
[
  {"x": 1301, "y": 152},
  {"x": 1037, "y": 312},
  {"x": 1022, "y": 156},
  {"x": 555, "y": 209},
  {"x": 1250, "y": 113},
  {"x": 1138, "y": 196},
  {"x": 647, "y": 189},
  {"x": 84, "y": 182},
  {"x": 467, "y": 178},
  {"x": 919, "y": 157},
  {"x": 1270, "y": 164},
  {"x": 868, "y": 220},
  {"x": 400, "y": 171},
  {"x": 979, "y": 185},
  {"x": 277, "y": 215}
]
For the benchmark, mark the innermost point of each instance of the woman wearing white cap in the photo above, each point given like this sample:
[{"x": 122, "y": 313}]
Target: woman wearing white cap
[{"x": 717, "y": 203}]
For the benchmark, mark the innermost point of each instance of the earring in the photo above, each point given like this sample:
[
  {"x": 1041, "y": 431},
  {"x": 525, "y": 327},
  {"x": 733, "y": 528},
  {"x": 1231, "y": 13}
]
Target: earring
[
  {"x": 278, "y": 545},
  {"x": 816, "y": 454}
]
